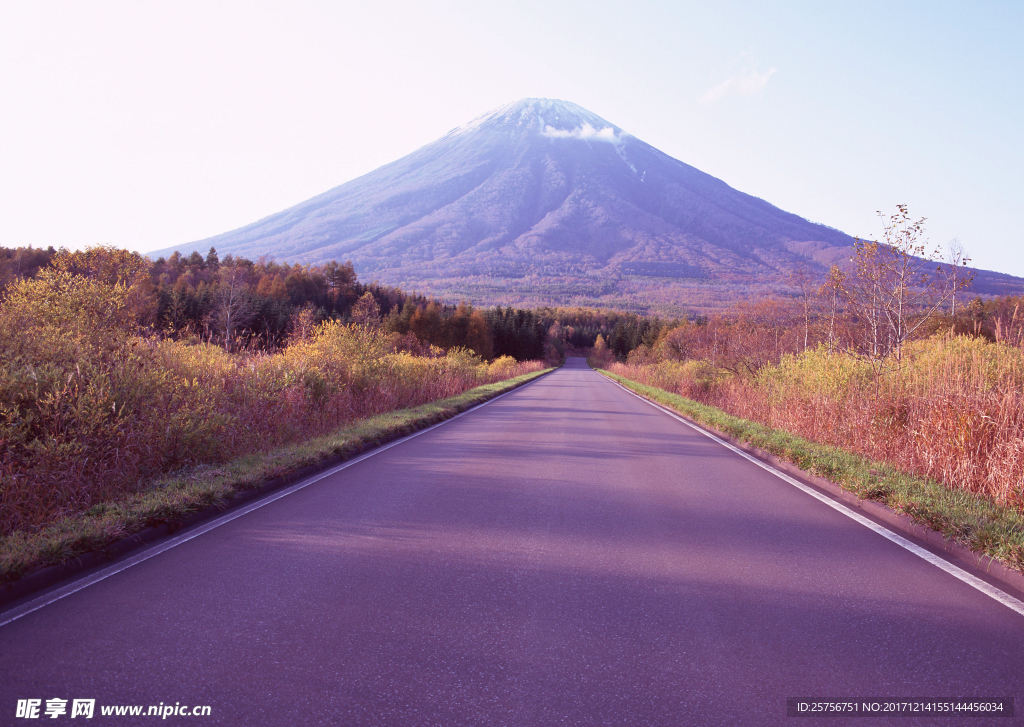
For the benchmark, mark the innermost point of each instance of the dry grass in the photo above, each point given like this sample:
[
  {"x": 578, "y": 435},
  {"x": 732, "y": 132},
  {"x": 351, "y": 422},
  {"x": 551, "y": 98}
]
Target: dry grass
[
  {"x": 952, "y": 411},
  {"x": 975, "y": 521},
  {"x": 171, "y": 498}
]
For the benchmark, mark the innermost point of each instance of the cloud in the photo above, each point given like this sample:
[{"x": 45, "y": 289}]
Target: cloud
[
  {"x": 585, "y": 132},
  {"x": 747, "y": 81}
]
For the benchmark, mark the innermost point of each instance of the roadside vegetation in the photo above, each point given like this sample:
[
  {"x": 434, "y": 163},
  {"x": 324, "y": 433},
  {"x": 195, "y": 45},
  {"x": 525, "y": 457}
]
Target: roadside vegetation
[
  {"x": 171, "y": 498},
  {"x": 882, "y": 363},
  {"x": 953, "y": 410},
  {"x": 96, "y": 402},
  {"x": 980, "y": 523},
  {"x": 117, "y": 372}
]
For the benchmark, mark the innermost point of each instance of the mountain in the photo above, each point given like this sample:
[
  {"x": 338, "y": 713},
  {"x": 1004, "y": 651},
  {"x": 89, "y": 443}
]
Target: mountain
[{"x": 542, "y": 201}]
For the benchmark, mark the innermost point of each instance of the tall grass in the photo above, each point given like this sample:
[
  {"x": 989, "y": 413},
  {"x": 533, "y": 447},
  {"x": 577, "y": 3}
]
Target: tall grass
[
  {"x": 953, "y": 410},
  {"x": 89, "y": 410}
]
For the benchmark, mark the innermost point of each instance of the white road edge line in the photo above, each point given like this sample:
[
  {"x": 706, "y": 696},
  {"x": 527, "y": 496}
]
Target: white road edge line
[
  {"x": 75, "y": 586},
  {"x": 973, "y": 581}
]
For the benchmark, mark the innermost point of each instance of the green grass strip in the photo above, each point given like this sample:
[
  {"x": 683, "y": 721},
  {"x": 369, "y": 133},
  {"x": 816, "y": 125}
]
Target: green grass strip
[
  {"x": 971, "y": 520},
  {"x": 170, "y": 499}
]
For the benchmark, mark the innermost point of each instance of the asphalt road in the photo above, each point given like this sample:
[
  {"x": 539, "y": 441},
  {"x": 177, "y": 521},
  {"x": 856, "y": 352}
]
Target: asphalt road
[{"x": 565, "y": 555}]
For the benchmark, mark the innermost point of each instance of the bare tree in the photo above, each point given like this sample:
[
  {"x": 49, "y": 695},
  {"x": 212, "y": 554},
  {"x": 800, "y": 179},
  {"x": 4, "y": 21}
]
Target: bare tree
[
  {"x": 832, "y": 288},
  {"x": 957, "y": 259},
  {"x": 231, "y": 310},
  {"x": 864, "y": 291},
  {"x": 897, "y": 284},
  {"x": 802, "y": 280}
]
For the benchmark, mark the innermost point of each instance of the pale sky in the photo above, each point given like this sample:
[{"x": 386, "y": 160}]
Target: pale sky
[{"x": 146, "y": 125}]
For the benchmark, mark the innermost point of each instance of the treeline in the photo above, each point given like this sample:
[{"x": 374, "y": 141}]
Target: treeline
[
  {"x": 262, "y": 305},
  {"x": 888, "y": 297},
  {"x": 22, "y": 262},
  {"x": 752, "y": 335},
  {"x": 198, "y": 295},
  {"x": 895, "y": 292}
]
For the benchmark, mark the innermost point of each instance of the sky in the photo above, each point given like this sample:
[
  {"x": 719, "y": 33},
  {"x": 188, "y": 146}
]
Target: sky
[{"x": 146, "y": 125}]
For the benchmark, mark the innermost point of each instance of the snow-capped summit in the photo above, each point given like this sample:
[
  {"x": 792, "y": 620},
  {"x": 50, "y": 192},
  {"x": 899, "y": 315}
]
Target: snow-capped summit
[
  {"x": 539, "y": 188},
  {"x": 538, "y": 114}
]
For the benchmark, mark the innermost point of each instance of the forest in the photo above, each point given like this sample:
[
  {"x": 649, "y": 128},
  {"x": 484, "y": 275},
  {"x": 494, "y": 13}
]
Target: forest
[{"x": 239, "y": 305}]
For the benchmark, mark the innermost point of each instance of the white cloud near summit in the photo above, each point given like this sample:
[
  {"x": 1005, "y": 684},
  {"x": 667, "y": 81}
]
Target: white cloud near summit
[
  {"x": 585, "y": 132},
  {"x": 746, "y": 81}
]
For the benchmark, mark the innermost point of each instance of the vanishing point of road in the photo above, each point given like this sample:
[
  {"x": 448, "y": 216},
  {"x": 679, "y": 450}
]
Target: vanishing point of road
[{"x": 567, "y": 554}]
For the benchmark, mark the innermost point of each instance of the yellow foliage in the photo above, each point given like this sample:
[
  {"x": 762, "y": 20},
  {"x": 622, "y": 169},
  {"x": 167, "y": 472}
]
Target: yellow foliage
[
  {"x": 88, "y": 410},
  {"x": 58, "y": 312}
]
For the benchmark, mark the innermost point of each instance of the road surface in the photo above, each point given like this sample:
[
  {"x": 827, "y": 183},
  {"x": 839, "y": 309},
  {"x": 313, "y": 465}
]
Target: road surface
[{"x": 565, "y": 555}]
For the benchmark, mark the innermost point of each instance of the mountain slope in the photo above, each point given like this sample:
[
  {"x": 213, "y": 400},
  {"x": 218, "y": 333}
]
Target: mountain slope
[{"x": 548, "y": 194}]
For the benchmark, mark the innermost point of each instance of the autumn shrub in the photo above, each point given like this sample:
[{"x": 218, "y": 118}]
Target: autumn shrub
[
  {"x": 952, "y": 409},
  {"x": 89, "y": 411}
]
